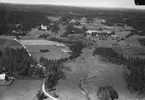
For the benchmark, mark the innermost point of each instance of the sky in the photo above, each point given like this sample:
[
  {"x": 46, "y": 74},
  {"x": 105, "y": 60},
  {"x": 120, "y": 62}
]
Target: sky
[{"x": 82, "y": 3}]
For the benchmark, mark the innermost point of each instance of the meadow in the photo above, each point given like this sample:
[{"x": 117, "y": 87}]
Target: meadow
[
  {"x": 6, "y": 42},
  {"x": 21, "y": 90},
  {"x": 55, "y": 51},
  {"x": 100, "y": 73}
]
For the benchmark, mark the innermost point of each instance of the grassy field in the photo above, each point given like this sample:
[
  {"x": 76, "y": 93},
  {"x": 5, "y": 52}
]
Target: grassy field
[
  {"x": 104, "y": 73},
  {"x": 38, "y": 42},
  {"x": 6, "y": 42},
  {"x": 21, "y": 90},
  {"x": 134, "y": 48},
  {"x": 54, "y": 51}
]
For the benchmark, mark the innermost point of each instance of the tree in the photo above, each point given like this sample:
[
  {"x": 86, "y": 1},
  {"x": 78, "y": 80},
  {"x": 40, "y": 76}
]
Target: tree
[
  {"x": 107, "y": 92},
  {"x": 57, "y": 71},
  {"x": 40, "y": 96}
]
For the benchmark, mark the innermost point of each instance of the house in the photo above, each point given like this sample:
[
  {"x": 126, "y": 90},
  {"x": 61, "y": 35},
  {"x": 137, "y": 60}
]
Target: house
[
  {"x": 43, "y": 27},
  {"x": 93, "y": 31},
  {"x": 2, "y": 76},
  {"x": 72, "y": 21}
]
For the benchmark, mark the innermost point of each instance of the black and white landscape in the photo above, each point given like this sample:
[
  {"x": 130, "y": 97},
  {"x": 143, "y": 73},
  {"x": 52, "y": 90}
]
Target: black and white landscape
[{"x": 51, "y": 52}]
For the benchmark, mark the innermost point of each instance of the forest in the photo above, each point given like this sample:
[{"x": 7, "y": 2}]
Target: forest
[
  {"x": 16, "y": 62},
  {"x": 135, "y": 74},
  {"x": 55, "y": 72}
]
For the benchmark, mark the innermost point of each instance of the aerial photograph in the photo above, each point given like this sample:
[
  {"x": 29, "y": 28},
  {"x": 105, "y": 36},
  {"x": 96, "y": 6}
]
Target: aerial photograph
[{"x": 72, "y": 50}]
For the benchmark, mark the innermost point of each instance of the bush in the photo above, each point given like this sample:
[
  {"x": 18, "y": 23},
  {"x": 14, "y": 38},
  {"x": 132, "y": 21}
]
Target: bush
[{"x": 107, "y": 92}]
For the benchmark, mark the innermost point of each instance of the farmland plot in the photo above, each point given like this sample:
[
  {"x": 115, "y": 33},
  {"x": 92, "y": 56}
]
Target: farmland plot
[
  {"x": 55, "y": 51},
  {"x": 21, "y": 90}
]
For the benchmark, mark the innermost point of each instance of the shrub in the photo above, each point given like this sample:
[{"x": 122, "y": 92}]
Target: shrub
[{"x": 107, "y": 92}]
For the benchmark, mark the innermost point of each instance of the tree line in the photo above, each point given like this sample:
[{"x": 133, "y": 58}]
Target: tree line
[
  {"x": 55, "y": 71},
  {"x": 16, "y": 62},
  {"x": 19, "y": 21},
  {"x": 135, "y": 77}
]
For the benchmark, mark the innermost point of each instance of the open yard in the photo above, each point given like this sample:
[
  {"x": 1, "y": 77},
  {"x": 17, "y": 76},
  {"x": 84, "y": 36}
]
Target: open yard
[
  {"x": 21, "y": 90},
  {"x": 99, "y": 72}
]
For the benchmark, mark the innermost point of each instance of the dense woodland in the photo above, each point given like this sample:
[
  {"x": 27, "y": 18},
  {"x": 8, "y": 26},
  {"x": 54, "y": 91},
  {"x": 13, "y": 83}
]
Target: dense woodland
[
  {"x": 135, "y": 76},
  {"x": 16, "y": 62},
  {"x": 55, "y": 72}
]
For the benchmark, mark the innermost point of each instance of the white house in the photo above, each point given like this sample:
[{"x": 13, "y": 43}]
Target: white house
[
  {"x": 43, "y": 27},
  {"x": 2, "y": 76}
]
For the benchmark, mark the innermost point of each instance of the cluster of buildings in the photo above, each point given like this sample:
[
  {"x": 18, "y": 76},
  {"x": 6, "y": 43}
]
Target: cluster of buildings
[{"x": 101, "y": 35}]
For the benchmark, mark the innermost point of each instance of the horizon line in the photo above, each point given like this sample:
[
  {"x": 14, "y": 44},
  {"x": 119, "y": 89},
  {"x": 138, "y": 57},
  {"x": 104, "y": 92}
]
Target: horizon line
[{"x": 91, "y": 7}]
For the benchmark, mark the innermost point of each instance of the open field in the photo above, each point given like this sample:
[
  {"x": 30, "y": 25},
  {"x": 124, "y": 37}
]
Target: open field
[
  {"x": 21, "y": 90},
  {"x": 39, "y": 42},
  {"x": 55, "y": 52},
  {"x": 131, "y": 47},
  {"x": 102, "y": 73},
  {"x": 6, "y": 42}
]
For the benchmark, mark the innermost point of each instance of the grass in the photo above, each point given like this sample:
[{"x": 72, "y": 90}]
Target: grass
[
  {"x": 38, "y": 42},
  {"x": 5, "y": 42},
  {"x": 104, "y": 73},
  {"x": 21, "y": 90},
  {"x": 134, "y": 49},
  {"x": 34, "y": 47},
  {"x": 55, "y": 52}
]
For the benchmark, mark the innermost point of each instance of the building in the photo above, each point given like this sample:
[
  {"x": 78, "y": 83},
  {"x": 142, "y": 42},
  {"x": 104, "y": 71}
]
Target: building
[
  {"x": 93, "y": 31},
  {"x": 72, "y": 21},
  {"x": 2, "y": 76},
  {"x": 43, "y": 27}
]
